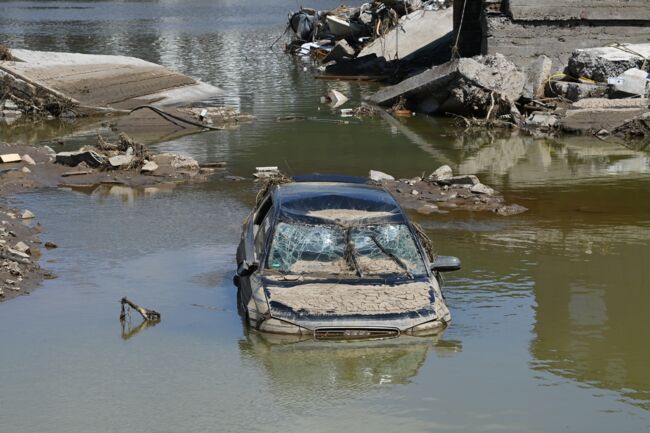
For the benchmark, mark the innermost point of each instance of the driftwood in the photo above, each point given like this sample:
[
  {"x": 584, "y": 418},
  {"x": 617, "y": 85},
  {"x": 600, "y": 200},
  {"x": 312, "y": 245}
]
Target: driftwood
[{"x": 147, "y": 315}]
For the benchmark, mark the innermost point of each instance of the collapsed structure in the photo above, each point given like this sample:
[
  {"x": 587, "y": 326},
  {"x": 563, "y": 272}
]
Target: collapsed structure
[{"x": 521, "y": 30}]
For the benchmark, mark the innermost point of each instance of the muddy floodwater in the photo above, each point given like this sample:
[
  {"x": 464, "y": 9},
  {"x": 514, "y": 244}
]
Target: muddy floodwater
[{"x": 550, "y": 312}]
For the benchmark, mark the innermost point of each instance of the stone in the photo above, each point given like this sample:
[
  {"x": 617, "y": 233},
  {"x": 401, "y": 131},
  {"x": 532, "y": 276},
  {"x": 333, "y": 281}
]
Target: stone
[
  {"x": 479, "y": 188},
  {"x": 50, "y": 245},
  {"x": 379, "y": 176},
  {"x": 577, "y": 91},
  {"x": 536, "y": 77},
  {"x": 415, "y": 192},
  {"x": 27, "y": 214},
  {"x": 14, "y": 269},
  {"x": 28, "y": 159},
  {"x": 121, "y": 161},
  {"x": 442, "y": 173},
  {"x": 72, "y": 159},
  {"x": 10, "y": 105},
  {"x": 428, "y": 209},
  {"x": 23, "y": 248},
  {"x": 541, "y": 120},
  {"x": 469, "y": 179},
  {"x": 9, "y": 158},
  {"x": 18, "y": 253},
  {"x": 149, "y": 167},
  {"x": 510, "y": 210},
  {"x": 25, "y": 170}
]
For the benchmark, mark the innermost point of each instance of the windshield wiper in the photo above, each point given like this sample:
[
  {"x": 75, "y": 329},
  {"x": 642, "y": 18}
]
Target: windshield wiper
[
  {"x": 351, "y": 253},
  {"x": 393, "y": 257}
]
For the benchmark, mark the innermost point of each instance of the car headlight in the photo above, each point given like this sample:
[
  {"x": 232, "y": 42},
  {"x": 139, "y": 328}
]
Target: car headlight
[
  {"x": 428, "y": 328},
  {"x": 281, "y": 327}
]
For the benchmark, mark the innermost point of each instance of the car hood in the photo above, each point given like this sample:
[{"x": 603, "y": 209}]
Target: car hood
[{"x": 318, "y": 304}]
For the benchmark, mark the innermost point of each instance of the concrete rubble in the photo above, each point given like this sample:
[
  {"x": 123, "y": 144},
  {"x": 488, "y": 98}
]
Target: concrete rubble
[
  {"x": 381, "y": 39},
  {"x": 441, "y": 192}
]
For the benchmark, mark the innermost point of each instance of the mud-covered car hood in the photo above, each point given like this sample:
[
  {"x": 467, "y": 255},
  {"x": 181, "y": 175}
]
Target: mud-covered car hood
[{"x": 318, "y": 304}]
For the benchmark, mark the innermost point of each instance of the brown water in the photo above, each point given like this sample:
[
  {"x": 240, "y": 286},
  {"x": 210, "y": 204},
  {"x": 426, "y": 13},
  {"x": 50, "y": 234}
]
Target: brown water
[{"x": 550, "y": 310}]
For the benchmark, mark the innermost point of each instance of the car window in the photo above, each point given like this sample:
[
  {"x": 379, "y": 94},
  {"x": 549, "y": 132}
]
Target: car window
[{"x": 377, "y": 250}]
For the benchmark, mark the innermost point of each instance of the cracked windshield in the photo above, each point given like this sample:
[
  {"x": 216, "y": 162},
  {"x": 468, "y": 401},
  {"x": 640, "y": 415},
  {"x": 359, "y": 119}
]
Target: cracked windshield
[
  {"x": 324, "y": 216},
  {"x": 380, "y": 249}
]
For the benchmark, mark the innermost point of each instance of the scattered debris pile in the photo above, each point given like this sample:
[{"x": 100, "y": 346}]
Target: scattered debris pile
[
  {"x": 441, "y": 191},
  {"x": 601, "y": 90},
  {"x": 371, "y": 39},
  {"x": 127, "y": 155},
  {"x": 218, "y": 115},
  {"x": 19, "y": 253}
]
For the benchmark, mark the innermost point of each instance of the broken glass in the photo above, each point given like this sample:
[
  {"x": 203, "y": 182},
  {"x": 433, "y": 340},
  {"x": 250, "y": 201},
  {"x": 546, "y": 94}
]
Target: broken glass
[{"x": 304, "y": 248}]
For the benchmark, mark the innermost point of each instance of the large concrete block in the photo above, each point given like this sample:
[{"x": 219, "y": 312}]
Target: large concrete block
[
  {"x": 414, "y": 31},
  {"x": 449, "y": 85}
]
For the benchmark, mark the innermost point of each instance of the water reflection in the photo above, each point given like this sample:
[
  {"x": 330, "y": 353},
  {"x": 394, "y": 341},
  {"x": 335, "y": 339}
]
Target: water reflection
[
  {"x": 292, "y": 363},
  {"x": 129, "y": 331},
  {"x": 590, "y": 322}
]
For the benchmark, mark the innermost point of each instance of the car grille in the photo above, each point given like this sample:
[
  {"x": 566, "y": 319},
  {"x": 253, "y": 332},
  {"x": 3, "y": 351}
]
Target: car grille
[{"x": 354, "y": 333}]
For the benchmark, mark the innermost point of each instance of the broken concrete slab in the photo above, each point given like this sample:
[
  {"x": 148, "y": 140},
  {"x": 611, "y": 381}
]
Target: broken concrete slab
[
  {"x": 342, "y": 50},
  {"x": 27, "y": 214},
  {"x": 461, "y": 86},
  {"x": 97, "y": 83},
  {"x": 537, "y": 75},
  {"x": 612, "y": 103},
  {"x": 413, "y": 32},
  {"x": 602, "y": 63},
  {"x": 590, "y": 120},
  {"x": 72, "y": 159},
  {"x": 632, "y": 82}
]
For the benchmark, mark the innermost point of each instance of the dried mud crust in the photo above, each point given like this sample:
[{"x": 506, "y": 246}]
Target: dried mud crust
[{"x": 323, "y": 299}]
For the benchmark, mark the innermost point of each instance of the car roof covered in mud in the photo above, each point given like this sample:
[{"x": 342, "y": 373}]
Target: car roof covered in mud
[{"x": 336, "y": 202}]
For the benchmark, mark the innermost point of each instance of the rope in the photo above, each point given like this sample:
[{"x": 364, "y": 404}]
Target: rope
[
  {"x": 455, "y": 54},
  {"x": 165, "y": 116}
]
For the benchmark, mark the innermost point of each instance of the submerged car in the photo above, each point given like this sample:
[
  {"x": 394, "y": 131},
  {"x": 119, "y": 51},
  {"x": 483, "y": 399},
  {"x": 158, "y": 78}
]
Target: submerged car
[{"x": 337, "y": 258}]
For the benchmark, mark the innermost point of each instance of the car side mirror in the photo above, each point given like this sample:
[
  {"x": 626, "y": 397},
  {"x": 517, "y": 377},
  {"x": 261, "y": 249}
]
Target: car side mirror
[
  {"x": 245, "y": 268},
  {"x": 445, "y": 264}
]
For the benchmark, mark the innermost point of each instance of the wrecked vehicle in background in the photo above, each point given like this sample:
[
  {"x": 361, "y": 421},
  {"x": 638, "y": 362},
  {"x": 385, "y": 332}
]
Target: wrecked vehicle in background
[{"x": 333, "y": 257}]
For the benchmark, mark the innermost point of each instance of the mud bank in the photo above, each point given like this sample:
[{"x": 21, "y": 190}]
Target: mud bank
[{"x": 20, "y": 251}]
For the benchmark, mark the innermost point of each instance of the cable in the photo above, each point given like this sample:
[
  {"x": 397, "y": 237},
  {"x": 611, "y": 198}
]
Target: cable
[{"x": 164, "y": 115}]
